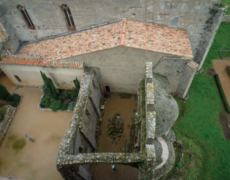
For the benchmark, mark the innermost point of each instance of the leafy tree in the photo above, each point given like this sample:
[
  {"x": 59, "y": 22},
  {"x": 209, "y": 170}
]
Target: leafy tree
[
  {"x": 4, "y": 94},
  {"x": 49, "y": 84}
]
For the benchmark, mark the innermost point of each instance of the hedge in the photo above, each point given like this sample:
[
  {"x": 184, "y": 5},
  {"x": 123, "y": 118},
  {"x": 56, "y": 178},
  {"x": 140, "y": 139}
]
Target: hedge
[
  {"x": 221, "y": 91},
  {"x": 228, "y": 70}
]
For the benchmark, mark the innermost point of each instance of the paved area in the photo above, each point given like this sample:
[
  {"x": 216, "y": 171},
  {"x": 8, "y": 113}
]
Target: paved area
[
  {"x": 10, "y": 86},
  {"x": 33, "y": 161},
  {"x": 220, "y": 68},
  {"x": 125, "y": 32}
]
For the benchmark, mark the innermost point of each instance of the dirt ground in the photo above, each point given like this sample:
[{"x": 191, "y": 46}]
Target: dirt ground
[
  {"x": 8, "y": 84},
  {"x": 20, "y": 158},
  {"x": 224, "y": 119},
  {"x": 220, "y": 68},
  {"x": 126, "y": 109}
]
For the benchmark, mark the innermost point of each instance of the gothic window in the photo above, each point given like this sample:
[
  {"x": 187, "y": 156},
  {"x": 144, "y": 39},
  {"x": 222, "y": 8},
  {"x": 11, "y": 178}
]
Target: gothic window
[
  {"x": 68, "y": 17},
  {"x": 26, "y": 17}
]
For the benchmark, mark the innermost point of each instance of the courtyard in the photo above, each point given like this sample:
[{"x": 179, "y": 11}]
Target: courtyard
[
  {"x": 20, "y": 158},
  {"x": 125, "y": 107}
]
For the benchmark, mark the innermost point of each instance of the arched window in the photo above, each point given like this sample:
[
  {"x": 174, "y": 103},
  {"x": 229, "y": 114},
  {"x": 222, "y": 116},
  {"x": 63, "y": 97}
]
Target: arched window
[
  {"x": 68, "y": 17},
  {"x": 26, "y": 17}
]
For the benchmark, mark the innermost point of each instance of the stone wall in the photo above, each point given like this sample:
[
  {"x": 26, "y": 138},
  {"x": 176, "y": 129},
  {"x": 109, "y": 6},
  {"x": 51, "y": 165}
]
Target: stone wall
[
  {"x": 172, "y": 68},
  {"x": 4, "y": 124},
  {"x": 226, "y": 18},
  {"x": 49, "y": 20}
]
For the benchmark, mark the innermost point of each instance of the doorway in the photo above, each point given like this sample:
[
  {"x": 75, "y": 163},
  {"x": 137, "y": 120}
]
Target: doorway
[{"x": 107, "y": 88}]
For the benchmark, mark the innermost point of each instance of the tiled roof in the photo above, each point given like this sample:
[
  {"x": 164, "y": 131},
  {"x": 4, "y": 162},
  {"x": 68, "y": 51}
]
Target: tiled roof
[
  {"x": 39, "y": 61},
  {"x": 125, "y": 32}
]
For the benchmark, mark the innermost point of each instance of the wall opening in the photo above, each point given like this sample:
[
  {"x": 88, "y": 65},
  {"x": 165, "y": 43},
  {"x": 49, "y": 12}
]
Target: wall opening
[
  {"x": 18, "y": 79},
  {"x": 26, "y": 17},
  {"x": 68, "y": 17},
  {"x": 107, "y": 88}
]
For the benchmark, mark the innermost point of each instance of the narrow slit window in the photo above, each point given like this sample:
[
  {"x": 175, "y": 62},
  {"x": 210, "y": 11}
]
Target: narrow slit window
[
  {"x": 68, "y": 17},
  {"x": 26, "y": 17},
  {"x": 18, "y": 79}
]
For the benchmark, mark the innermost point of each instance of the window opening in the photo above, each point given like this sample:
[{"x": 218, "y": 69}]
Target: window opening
[
  {"x": 18, "y": 79},
  {"x": 68, "y": 17},
  {"x": 26, "y": 17}
]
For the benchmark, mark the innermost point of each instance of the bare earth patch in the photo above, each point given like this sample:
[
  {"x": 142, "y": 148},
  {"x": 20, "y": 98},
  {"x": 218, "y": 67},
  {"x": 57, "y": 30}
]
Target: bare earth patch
[
  {"x": 224, "y": 119},
  {"x": 211, "y": 72},
  {"x": 22, "y": 159}
]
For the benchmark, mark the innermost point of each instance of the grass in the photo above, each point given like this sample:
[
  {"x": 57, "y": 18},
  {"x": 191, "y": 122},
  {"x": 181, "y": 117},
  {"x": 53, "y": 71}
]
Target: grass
[
  {"x": 19, "y": 144},
  {"x": 227, "y": 3},
  {"x": 199, "y": 118}
]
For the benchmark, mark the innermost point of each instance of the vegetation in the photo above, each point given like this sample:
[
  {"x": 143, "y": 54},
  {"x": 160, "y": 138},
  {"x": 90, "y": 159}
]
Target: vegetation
[
  {"x": 62, "y": 100},
  {"x": 49, "y": 85},
  {"x": 198, "y": 119},
  {"x": 223, "y": 97},
  {"x": 4, "y": 94},
  {"x": 2, "y": 113},
  {"x": 226, "y": 3},
  {"x": 12, "y": 100}
]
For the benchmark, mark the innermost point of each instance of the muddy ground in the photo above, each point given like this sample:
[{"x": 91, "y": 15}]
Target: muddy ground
[
  {"x": 126, "y": 109},
  {"x": 22, "y": 159}
]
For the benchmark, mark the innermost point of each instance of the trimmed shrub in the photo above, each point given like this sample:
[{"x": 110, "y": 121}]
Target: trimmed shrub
[
  {"x": 59, "y": 104},
  {"x": 221, "y": 91},
  {"x": 71, "y": 105},
  {"x": 53, "y": 106},
  {"x": 4, "y": 94},
  {"x": 15, "y": 98},
  {"x": 64, "y": 107},
  {"x": 45, "y": 101}
]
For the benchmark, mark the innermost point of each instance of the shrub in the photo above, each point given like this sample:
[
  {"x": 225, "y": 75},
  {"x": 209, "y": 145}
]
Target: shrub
[
  {"x": 59, "y": 104},
  {"x": 74, "y": 94},
  {"x": 45, "y": 101},
  {"x": 15, "y": 98},
  {"x": 4, "y": 94},
  {"x": 53, "y": 106},
  {"x": 64, "y": 107},
  {"x": 178, "y": 165},
  {"x": 3, "y": 111},
  {"x": 228, "y": 70},
  {"x": 71, "y": 105},
  {"x": 221, "y": 91}
]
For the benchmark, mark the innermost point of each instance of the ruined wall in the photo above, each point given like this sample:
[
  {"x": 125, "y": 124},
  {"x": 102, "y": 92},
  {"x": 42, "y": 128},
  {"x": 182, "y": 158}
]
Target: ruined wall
[
  {"x": 30, "y": 75},
  {"x": 48, "y": 18}
]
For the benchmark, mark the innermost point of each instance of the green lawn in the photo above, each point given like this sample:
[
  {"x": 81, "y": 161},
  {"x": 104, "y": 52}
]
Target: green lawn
[
  {"x": 227, "y": 3},
  {"x": 200, "y": 121}
]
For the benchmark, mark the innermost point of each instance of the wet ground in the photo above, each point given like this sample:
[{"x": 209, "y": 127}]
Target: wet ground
[
  {"x": 220, "y": 68},
  {"x": 22, "y": 159},
  {"x": 126, "y": 109}
]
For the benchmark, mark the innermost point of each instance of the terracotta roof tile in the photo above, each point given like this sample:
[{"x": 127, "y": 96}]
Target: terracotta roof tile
[{"x": 126, "y": 32}]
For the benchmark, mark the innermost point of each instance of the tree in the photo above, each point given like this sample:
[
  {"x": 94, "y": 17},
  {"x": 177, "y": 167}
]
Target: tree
[
  {"x": 4, "y": 94},
  {"x": 77, "y": 84},
  {"x": 49, "y": 84}
]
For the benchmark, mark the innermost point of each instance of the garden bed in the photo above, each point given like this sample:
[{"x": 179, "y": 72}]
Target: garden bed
[{"x": 66, "y": 101}]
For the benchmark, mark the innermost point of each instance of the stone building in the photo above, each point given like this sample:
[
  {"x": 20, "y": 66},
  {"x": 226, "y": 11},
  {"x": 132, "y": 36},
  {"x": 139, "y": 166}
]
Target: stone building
[{"x": 34, "y": 27}]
